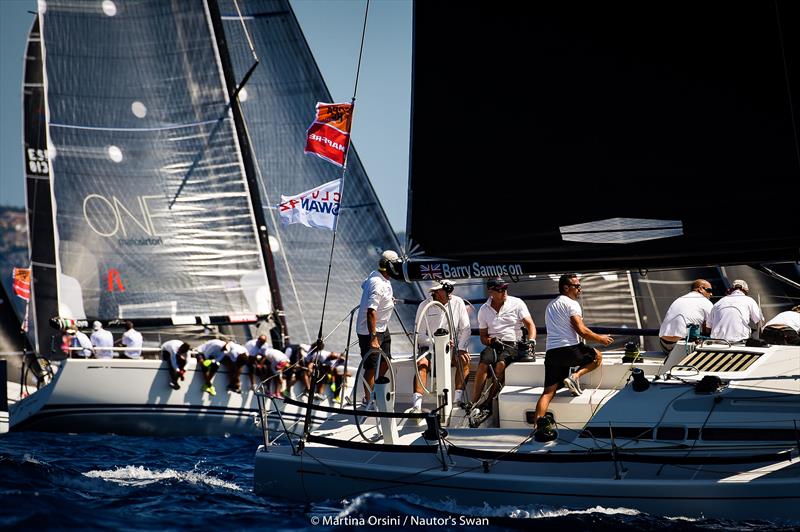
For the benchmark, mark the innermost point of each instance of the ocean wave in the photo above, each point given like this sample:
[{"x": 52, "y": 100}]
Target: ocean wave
[{"x": 142, "y": 476}]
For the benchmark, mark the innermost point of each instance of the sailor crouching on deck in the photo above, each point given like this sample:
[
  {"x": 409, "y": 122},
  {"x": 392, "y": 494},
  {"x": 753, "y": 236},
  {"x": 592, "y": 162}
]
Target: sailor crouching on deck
[
  {"x": 565, "y": 328},
  {"x": 175, "y": 353},
  {"x": 783, "y": 329},
  {"x": 374, "y": 311}
]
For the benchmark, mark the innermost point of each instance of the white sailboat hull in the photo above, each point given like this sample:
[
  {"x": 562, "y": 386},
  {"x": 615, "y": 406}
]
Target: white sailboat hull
[{"x": 134, "y": 397}]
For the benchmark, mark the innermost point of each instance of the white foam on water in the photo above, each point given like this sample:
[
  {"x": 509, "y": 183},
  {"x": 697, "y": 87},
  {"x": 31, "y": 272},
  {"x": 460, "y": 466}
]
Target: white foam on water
[
  {"x": 451, "y": 507},
  {"x": 142, "y": 476}
]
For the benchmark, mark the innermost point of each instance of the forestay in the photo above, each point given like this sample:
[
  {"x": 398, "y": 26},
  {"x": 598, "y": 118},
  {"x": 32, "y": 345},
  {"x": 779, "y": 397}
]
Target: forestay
[{"x": 278, "y": 104}]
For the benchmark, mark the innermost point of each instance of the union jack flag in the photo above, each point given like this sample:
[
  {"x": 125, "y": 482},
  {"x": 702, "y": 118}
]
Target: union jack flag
[{"x": 433, "y": 271}]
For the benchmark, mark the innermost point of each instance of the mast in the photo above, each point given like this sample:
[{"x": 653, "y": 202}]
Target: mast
[{"x": 250, "y": 171}]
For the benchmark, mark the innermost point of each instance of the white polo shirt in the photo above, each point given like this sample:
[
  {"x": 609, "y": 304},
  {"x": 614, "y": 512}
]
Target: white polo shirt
[
  {"x": 132, "y": 338},
  {"x": 732, "y": 315},
  {"x": 690, "y": 309},
  {"x": 506, "y": 323},
  {"x": 790, "y": 318},
  {"x": 171, "y": 347},
  {"x": 377, "y": 295},
  {"x": 558, "y": 320},
  {"x": 212, "y": 350},
  {"x": 253, "y": 349},
  {"x": 102, "y": 338},
  {"x": 436, "y": 319}
]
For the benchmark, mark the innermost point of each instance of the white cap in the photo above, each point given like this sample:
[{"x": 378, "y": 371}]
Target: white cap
[
  {"x": 438, "y": 285},
  {"x": 390, "y": 256},
  {"x": 97, "y": 325},
  {"x": 738, "y": 283}
]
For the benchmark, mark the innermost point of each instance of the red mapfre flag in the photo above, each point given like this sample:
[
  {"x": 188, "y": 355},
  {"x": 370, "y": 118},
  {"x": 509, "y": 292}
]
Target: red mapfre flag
[
  {"x": 22, "y": 283},
  {"x": 329, "y": 135}
]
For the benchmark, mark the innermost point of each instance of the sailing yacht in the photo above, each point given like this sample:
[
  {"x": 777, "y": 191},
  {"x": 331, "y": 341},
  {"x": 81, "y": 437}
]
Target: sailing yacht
[
  {"x": 157, "y": 145},
  {"x": 602, "y": 137}
]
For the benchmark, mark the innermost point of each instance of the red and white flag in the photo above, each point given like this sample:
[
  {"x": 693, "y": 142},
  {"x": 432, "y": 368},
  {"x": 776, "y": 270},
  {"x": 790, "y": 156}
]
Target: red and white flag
[
  {"x": 318, "y": 207},
  {"x": 329, "y": 135},
  {"x": 22, "y": 283}
]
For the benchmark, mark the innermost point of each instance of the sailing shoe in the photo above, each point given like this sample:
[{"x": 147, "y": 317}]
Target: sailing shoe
[
  {"x": 209, "y": 388},
  {"x": 234, "y": 389},
  {"x": 573, "y": 385},
  {"x": 320, "y": 397},
  {"x": 175, "y": 385},
  {"x": 416, "y": 410},
  {"x": 545, "y": 430}
]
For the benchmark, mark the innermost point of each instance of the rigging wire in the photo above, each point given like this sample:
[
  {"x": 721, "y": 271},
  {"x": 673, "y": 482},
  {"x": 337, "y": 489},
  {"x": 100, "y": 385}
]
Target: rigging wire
[{"x": 344, "y": 173}]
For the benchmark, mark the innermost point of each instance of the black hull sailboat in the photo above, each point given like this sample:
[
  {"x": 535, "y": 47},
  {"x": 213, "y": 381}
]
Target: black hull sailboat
[{"x": 593, "y": 138}]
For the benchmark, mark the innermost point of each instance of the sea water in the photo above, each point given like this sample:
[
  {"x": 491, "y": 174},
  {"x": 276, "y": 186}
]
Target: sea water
[{"x": 108, "y": 482}]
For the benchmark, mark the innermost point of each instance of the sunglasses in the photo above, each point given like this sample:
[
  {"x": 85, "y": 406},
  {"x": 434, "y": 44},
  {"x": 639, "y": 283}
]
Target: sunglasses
[
  {"x": 498, "y": 289},
  {"x": 577, "y": 286},
  {"x": 708, "y": 290}
]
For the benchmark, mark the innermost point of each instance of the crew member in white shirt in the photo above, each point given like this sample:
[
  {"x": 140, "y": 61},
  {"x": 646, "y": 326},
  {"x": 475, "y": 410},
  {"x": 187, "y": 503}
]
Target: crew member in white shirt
[
  {"x": 689, "y": 309},
  {"x": 76, "y": 338},
  {"x": 256, "y": 361},
  {"x": 132, "y": 339},
  {"x": 436, "y": 319},
  {"x": 783, "y": 329},
  {"x": 235, "y": 359},
  {"x": 209, "y": 356},
  {"x": 732, "y": 316},
  {"x": 565, "y": 328},
  {"x": 374, "y": 311},
  {"x": 101, "y": 339},
  {"x": 500, "y": 320},
  {"x": 278, "y": 361},
  {"x": 175, "y": 353}
]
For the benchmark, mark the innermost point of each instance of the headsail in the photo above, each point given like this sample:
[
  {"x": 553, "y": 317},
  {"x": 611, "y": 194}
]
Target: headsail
[
  {"x": 151, "y": 207},
  {"x": 607, "y": 136},
  {"x": 278, "y": 104}
]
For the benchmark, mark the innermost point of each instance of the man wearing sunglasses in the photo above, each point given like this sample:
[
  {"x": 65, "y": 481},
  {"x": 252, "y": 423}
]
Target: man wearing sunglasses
[
  {"x": 565, "y": 328},
  {"x": 693, "y": 308},
  {"x": 499, "y": 321}
]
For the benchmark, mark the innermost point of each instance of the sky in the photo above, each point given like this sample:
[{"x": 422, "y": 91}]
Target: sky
[{"x": 332, "y": 28}]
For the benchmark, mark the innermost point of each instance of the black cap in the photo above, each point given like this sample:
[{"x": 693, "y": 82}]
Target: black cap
[{"x": 497, "y": 282}]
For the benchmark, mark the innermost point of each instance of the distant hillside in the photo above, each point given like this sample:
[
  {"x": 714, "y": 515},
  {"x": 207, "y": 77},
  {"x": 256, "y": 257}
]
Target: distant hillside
[{"x": 13, "y": 248}]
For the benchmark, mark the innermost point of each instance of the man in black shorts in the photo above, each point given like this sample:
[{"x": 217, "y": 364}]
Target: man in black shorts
[{"x": 565, "y": 328}]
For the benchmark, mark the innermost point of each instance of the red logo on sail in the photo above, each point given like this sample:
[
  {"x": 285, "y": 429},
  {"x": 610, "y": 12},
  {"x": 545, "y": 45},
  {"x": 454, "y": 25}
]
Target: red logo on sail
[
  {"x": 22, "y": 283},
  {"x": 114, "y": 278},
  {"x": 329, "y": 135}
]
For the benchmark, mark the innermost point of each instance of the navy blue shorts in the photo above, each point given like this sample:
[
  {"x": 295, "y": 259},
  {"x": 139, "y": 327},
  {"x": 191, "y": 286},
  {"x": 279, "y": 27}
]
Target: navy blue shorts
[
  {"x": 385, "y": 341},
  {"x": 558, "y": 361}
]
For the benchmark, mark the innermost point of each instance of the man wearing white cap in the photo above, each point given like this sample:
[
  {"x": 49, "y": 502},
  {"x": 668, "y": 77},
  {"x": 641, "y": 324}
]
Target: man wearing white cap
[
  {"x": 435, "y": 319},
  {"x": 102, "y": 338},
  {"x": 374, "y": 311},
  {"x": 732, "y": 316}
]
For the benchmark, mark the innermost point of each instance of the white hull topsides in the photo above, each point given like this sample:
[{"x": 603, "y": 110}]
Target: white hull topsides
[
  {"x": 133, "y": 397},
  {"x": 672, "y": 449}
]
